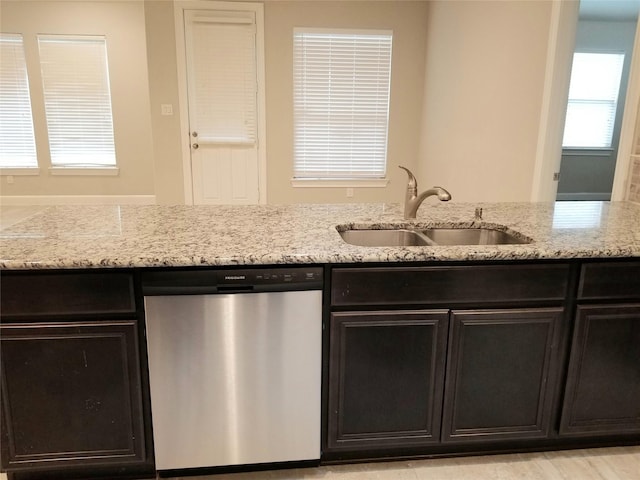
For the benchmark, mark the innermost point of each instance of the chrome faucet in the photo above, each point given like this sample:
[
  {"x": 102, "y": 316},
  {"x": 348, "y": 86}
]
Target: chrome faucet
[{"x": 412, "y": 200}]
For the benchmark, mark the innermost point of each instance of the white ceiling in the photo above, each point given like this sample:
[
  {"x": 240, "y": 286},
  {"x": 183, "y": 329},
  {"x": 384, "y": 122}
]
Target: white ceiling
[{"x": 609, "y": 9}]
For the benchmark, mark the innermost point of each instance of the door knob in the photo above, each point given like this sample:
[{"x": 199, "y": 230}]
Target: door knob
[{"x": 195, "y": 146}]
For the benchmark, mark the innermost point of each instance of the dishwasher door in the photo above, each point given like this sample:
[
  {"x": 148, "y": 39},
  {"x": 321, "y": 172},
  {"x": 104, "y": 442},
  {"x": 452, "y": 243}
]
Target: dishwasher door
[{"x": 235, "y": 378}]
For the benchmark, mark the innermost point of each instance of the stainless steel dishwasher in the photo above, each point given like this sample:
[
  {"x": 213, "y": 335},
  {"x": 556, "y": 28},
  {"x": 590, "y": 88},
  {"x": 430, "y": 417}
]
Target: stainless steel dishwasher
[{"x": 234, "y": 365}]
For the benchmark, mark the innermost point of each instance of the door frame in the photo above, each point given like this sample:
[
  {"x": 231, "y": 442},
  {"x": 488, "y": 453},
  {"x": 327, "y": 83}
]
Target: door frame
[
  {"x": 185, "y": 146},
  {"x": 562, "y": 33},
  {"x": 561, "y": 44},
  {"x": 628, "y": 127}
]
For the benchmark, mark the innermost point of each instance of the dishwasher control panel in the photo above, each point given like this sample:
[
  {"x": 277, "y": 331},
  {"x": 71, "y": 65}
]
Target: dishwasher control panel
[
  {"x": 201, "y": 281},
  {"x": 272, "y": 276}
]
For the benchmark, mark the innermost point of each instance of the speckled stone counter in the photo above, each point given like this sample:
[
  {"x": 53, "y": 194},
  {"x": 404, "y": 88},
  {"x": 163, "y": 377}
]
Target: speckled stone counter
[{"x": 152, "y": 236}]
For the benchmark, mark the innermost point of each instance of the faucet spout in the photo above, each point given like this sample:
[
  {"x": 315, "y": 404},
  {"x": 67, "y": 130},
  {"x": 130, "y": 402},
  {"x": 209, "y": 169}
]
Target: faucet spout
[{"x": 413, "y": 201}]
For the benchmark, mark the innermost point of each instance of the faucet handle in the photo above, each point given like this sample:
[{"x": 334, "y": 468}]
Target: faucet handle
[{"x": 413, "y": 183}]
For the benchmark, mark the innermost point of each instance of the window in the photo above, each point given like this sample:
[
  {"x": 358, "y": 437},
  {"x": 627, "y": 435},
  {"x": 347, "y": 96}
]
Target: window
[
  {"x": 341, "y": 104},
  {"x": 593, "y": 99},
  {"x": 224, "y": 76},
  {"x": 17, "y": 141},
  {"x": 77, "y": 100}
]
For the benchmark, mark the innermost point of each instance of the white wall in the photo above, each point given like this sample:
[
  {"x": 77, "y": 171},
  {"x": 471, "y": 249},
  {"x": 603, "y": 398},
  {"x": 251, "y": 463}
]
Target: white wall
[{"x": 485, "y": 69}]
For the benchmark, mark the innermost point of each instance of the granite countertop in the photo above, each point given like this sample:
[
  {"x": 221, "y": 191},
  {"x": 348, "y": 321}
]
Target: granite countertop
[{"x": 109, "y": 236}]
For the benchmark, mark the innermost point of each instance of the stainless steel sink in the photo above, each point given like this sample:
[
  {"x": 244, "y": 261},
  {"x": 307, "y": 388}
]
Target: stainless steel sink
[
  {"x": 404, "y": 237},
  {"x": 385, "y": 238},
  {"x": 472, "y": 236}
]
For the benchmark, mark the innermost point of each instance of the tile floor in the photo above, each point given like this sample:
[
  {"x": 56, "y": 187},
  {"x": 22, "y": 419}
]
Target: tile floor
[{"x": 593, "y": 464}]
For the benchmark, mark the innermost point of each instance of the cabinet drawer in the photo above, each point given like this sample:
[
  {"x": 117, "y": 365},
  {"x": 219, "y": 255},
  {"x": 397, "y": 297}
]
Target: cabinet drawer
[
  {"x": 449, "y": 285},
  {"x": 610, "y": 280},
  {"x": 41, "y": 294}
]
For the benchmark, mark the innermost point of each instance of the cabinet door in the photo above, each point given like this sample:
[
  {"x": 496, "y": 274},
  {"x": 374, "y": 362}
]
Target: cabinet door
[
  {"x": 500, "y": 371},
  {"x": 603, "y": 384},
  {"x": 71, "y": 394},
  {"x": 386, "y": 378}
]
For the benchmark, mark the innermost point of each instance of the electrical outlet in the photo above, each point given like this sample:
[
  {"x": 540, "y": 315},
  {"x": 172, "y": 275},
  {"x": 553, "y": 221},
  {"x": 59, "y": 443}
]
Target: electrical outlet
[
  {"x": 9, "y": 179},
  {"x": 166, "y": 109},
  {"x": 349, "y": 192},
  {"x": 556, "y": 176}
]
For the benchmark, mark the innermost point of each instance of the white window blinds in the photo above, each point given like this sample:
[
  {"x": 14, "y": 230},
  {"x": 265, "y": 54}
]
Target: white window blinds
[
  {"x": 77, "y": 100},
  {"x": 17, "y": 142},
  {"x": 341, "y": 104},
  {"x": 224, "y": 76},
  {"x": 593, "y": 100}
]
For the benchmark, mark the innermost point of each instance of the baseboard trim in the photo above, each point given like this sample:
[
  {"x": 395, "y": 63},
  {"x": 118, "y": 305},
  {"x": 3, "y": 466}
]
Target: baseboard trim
[{"x": 16, "y": 200}]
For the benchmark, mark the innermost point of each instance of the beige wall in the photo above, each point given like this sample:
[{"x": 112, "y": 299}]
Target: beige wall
[
  {"x": 634, "y": 181},
  {"x": 123, "y": 24},
  {"x": 149, "y": 150},
  {"x": 163, "y": 89},
  {"x": 485, "y": 69},
  {"x": 467, "y": 86},
  {"x": 408, "y": 20}
]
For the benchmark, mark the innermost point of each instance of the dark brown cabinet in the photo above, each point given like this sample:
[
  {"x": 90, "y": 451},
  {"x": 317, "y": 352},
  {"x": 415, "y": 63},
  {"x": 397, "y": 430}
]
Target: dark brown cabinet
[
  {"x": 500, "y": 370},
  {"x": 386, "y": 378},
  {"x": 602, "y": 395},
  {"x": 74, "y": 392},
  {"x": 603, "y": 386},
  {"x": 420, "y": 359},
  {"x": 495, "y": 328}
]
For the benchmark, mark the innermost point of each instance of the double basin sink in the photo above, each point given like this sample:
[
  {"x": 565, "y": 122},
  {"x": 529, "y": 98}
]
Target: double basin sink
[{"x": 417, "y": 237}]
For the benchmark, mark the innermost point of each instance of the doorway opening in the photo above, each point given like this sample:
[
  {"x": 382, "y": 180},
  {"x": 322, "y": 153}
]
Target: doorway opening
[{"x": 601, "y": 66}]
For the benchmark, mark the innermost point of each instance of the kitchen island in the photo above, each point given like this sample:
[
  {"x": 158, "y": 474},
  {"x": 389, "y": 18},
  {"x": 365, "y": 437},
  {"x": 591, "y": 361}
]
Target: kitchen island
[{"x": 427, "y": 350}]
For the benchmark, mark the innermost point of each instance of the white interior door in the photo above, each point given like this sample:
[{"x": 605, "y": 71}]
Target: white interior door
[{"x": 222, "y": 86}]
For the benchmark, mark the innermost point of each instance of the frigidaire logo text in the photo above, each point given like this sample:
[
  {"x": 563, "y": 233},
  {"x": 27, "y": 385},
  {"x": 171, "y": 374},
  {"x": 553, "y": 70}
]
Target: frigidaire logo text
[{"x": 234, "y": 277}]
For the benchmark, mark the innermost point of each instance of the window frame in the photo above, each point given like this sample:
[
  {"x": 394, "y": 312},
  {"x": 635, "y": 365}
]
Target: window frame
[{"x": 339, "y": 181}]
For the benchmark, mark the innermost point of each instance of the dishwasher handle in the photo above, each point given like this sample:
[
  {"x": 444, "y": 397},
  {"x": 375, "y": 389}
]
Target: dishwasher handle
[{"x": 165, "y": 290}]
